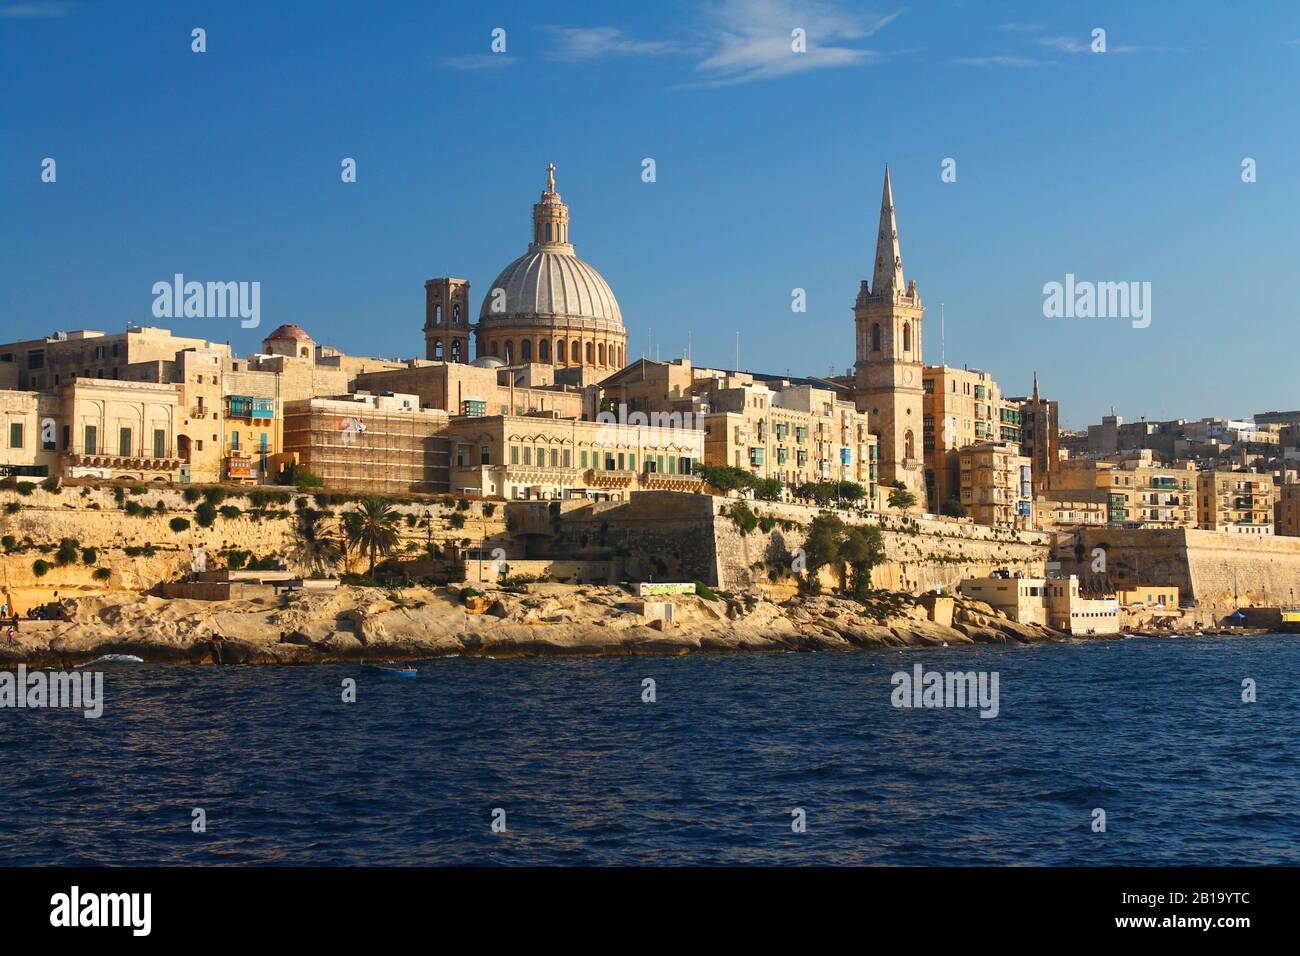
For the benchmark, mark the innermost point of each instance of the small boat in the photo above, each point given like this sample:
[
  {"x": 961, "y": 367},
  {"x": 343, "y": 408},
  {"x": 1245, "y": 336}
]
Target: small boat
[{"x": 397, "y": 670}]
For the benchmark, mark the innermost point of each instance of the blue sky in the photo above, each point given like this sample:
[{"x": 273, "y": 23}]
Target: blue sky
[{"x": 1115, "y": 166}]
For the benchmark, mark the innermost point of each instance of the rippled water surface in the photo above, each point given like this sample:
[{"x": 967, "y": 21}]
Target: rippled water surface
[{"x": 1153, "y": 731}]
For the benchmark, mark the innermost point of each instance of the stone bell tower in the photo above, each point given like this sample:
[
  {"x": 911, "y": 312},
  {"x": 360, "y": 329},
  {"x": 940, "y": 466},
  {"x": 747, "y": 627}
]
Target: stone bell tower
[
  {"x": 887, "y": 373},
  {"x": 446, "y": 320}
]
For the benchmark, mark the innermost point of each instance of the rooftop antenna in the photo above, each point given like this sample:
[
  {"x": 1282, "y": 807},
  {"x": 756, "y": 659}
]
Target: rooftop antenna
[
  {"x": 738, "y": 350},
  {"x": 942, "y": 353}
]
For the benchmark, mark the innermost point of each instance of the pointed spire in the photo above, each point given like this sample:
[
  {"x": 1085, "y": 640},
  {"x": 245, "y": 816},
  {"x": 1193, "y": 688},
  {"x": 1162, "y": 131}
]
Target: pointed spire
[
  {"x": 1035, "y": 384},
  {"x": 888, "y": 276}
]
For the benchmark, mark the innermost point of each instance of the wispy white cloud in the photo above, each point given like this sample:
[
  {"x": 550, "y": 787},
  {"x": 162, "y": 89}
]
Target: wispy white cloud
[
  {"x": 996, "y": 61},
  {"x": 473, "y": 62},
  {"x": 594, "y": 43},
  {"x": 33, "y": 11},
  {"x": 754, "y": 39},
  {"x": 1069, "y": 44}
]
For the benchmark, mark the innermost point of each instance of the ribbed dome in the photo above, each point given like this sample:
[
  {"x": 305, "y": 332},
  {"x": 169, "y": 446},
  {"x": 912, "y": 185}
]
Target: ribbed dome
[{"x": 545, "y": 283}]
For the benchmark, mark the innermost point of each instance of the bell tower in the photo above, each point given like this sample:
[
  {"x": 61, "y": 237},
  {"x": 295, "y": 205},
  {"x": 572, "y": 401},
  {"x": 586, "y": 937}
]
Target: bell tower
[
  {"x": 887, "y": 373},
  {"x": 446, "y": 320}
]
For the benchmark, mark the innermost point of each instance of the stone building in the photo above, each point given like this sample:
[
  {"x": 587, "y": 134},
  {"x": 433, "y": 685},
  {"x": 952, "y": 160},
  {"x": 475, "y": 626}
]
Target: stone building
[
  {"x": 550, "y": 307},
  {"x": 889, "y": 369},
  {"x": 446, "y": 320},
  {"x": 1287, "y": 510},
  {"x": 1140, "y": 492},
  {"x": 376, "y": 444},
  {"x": 483, "y": 387},
  {"x": 960, "y": 407},
  {"x": 57, "y": 359},
  {"x": 996, "y": 485},
  {"x": 1236, "y": 501},
  {"x": 119, "y": 429},
  {"x": 544, "y": 456},
  {"x": 29, "y": 434}
]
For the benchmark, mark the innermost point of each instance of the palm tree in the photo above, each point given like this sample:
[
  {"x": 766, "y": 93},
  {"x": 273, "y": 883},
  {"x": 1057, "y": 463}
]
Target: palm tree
[
  {"x": 315, "y": 550},
  {"x": 373, "y": 530}
]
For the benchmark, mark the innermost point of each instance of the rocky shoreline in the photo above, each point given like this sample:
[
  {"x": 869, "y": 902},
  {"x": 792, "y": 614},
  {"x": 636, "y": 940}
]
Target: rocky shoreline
[{"x": 370, "y": 624}]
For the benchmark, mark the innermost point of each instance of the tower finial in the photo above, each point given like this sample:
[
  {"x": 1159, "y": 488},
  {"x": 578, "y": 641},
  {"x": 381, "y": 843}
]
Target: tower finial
[
  {"x": 888, "y": 273},
  {"x": 550, "y": 177}
]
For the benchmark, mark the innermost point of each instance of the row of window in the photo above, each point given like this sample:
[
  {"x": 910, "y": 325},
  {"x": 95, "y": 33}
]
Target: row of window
[
  {"x": 596, "y": 352},
  {"x": 600, "y": 461}
]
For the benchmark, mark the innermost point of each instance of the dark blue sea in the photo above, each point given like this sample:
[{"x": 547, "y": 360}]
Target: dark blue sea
[{"x": 1152, "y": 731}]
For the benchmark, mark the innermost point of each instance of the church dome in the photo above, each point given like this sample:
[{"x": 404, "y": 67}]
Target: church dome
[
  {"x": 549, "y": 306},
  {"x": 545, "y": 283}
]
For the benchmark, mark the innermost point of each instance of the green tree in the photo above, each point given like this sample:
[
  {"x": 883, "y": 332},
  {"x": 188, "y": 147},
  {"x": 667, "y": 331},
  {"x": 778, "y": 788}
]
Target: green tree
[
  {"x": 831, "y": 542},
  {"x": 374, "y": 530},
  {"x": 954, "y": 509},
  {"x": 768, "y": 489},
  {"x": 313, "y": 549},
  {"x": 725, "y": 478},
  {"x": 900, "y": 497}
]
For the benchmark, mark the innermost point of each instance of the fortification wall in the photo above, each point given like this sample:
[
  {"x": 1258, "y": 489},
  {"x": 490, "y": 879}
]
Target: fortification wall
[
  {"x": 37, "y": 522},
  {"x": 1215, "y": 569},
  {"x": 670, "y": 536}
]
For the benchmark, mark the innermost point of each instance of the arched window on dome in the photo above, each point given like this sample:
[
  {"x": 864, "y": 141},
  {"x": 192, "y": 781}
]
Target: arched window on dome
[
  {"x": 575, "y": 353},
  {"x": 591, "y": 352},
  {"x": 437, "y": 350},
  {"x": 600, "y": 354},
  {"x": 559, "y": 351},
  {"x": 304, "y": 352},
  {"x": 544, "y": 350},
  {"x": 875, "y": 337},
  {"x": 492, "y": 349},
  {"x": 510, "y": 352},
  {"x": 526, "y": 350}
]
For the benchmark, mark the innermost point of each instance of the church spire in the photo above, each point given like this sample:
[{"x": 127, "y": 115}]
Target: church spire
[{"x": 888, "y": 277}]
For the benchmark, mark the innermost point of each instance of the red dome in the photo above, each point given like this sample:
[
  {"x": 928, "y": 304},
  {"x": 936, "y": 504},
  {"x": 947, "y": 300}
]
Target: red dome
[{"x": 289, "y": 331}]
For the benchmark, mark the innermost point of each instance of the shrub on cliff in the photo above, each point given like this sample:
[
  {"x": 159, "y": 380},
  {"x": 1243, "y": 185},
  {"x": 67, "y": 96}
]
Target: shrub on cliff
[
  {"x": 743, "y": 517},
  {"x": 706, "y": 592},
  {"x": 229, "y": 512},
  {"x": 40, "y": 568},
  {"x": 25, "y": 488},
  {"x": 457, "y": 521},
  {"x": 953, "y": 508},
  {"x": 12, "y": 508},
  {"x": 8, "y": 542},
  {"x": 489, "y": 510},
  {"x": 102, "y": 574},
  {"x": 52, "y": 485},
  {"x": 191, "y": 495},
  {"x": 89, "y": 556},
  {"x": 205, "y": 514},
  {"x": 178, "y": 524},
  {"x": 69, "y": 549},
  {"x": 214, "y": 496}
]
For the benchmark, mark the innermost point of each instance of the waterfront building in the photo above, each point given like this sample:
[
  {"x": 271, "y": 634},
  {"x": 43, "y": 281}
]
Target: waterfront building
[
  {"x": 1067, "y": 510},
  {"x": 1287, "y": 510},
  {"x": 793, "y": 430},
  {"x": 996, "y": 484},
  {"x": 889, "y": 369},
  {"x": 374, "y": 444},
  {"x": 1235, "y": 501},
  {"x": 961, "y": 406},
  {"x": 1056, "y": 602},
  {"x": 118, "y": 429},
  {"x": 544, "y": 456},
  {"x": 29, "y": 434},
  {"x": 1039, "y": 420},
  {"x": 1140, "y": 492},
  {"x": 57, "y": 359}
]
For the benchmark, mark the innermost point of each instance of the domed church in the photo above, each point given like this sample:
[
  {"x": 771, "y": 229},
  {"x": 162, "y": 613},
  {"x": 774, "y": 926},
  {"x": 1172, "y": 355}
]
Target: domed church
[{"x": 547, "y": 307}]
